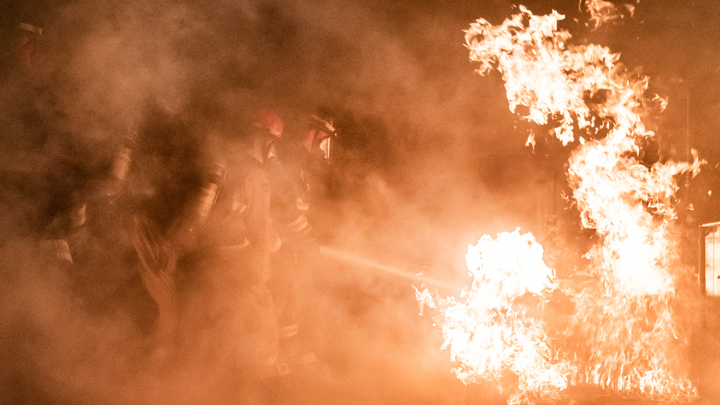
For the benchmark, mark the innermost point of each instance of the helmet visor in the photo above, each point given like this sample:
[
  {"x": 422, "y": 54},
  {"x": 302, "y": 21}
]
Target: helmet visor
[{"x": 325, "y": 147}]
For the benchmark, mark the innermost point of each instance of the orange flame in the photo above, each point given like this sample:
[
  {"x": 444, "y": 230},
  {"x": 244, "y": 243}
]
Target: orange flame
[
  {"x": 600, "y": 11},
  {"x": 495, "y": 331},
  {"x": 622, "y": 335}
]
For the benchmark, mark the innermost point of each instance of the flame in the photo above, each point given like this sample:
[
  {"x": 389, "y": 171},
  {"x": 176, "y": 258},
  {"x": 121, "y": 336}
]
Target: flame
[
  {"x": 600, "y": 11},
  {"x": 623, "y": 334},
  {"x": 495, "y": 330}
]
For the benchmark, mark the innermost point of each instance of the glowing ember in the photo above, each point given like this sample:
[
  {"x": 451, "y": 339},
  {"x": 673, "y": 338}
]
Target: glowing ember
[
  {"x": 622, "y": 335},
  {"x": 495, "y": 331}
]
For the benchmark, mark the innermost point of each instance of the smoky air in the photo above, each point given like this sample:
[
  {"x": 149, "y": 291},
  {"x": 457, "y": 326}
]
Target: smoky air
[{"x": 126, "y": 279}]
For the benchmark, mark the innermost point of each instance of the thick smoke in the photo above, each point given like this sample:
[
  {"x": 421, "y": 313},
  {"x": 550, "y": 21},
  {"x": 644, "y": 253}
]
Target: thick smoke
[{"x": 430, "y": 159}]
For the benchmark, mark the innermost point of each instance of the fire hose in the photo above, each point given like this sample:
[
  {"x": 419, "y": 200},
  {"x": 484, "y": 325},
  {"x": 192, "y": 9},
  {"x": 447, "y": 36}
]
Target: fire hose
[{"x": 363, "y": 262}]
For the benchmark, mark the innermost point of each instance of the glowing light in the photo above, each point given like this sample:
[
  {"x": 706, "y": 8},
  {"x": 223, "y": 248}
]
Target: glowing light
[
  {"x": 623, "y": 335},
  {"x": 495, "y": 331},
  {"x": 600, "y": 11}
]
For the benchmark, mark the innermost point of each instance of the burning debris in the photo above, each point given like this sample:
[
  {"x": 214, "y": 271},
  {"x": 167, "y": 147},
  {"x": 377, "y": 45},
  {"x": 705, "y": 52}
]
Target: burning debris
[{"x": 623, "y": 334}]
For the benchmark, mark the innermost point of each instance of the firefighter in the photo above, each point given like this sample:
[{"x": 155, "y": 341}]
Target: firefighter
[
  {"x": 290, "y": 208},
  {"x": 232, "y": 302},
  {"x": 41, "y": 192},
  {"x": 168, "y": 188},
  {"x": 23, "y": 138},
  {"x": 103, "y": 206}
]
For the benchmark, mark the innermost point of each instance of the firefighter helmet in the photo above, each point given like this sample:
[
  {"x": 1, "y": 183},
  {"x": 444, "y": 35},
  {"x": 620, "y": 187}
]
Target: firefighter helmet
[
  {"x": 268, "y": 128},
  {"x": 269, "y": 122},
  {"x": 320, "y": 135}
]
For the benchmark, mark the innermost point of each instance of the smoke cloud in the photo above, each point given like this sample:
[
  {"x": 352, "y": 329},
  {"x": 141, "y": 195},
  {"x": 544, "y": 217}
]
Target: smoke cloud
[{"x": 430, "y": 159}]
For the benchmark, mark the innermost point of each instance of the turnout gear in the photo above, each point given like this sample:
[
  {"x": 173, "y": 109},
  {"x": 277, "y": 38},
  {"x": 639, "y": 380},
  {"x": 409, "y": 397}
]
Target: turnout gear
[
  {"x": 109, "y": 201},
  {"x": 190, "y": 226},
  {"x": 290, "y": 214},
  {"x": 151, "y": 202},
  {"x": 230, "y": 299}
]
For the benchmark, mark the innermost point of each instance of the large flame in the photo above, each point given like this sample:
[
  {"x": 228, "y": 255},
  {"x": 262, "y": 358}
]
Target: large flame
[
  {"x": 622, "y": 335},
  {"x": 495, "y": 331}
]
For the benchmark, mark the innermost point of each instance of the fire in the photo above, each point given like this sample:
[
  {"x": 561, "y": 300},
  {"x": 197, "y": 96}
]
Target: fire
[
  {"x": 600, "y": 11},
  {"x": 495, "y": 332},
  {"x": 623, "y": 334}
]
